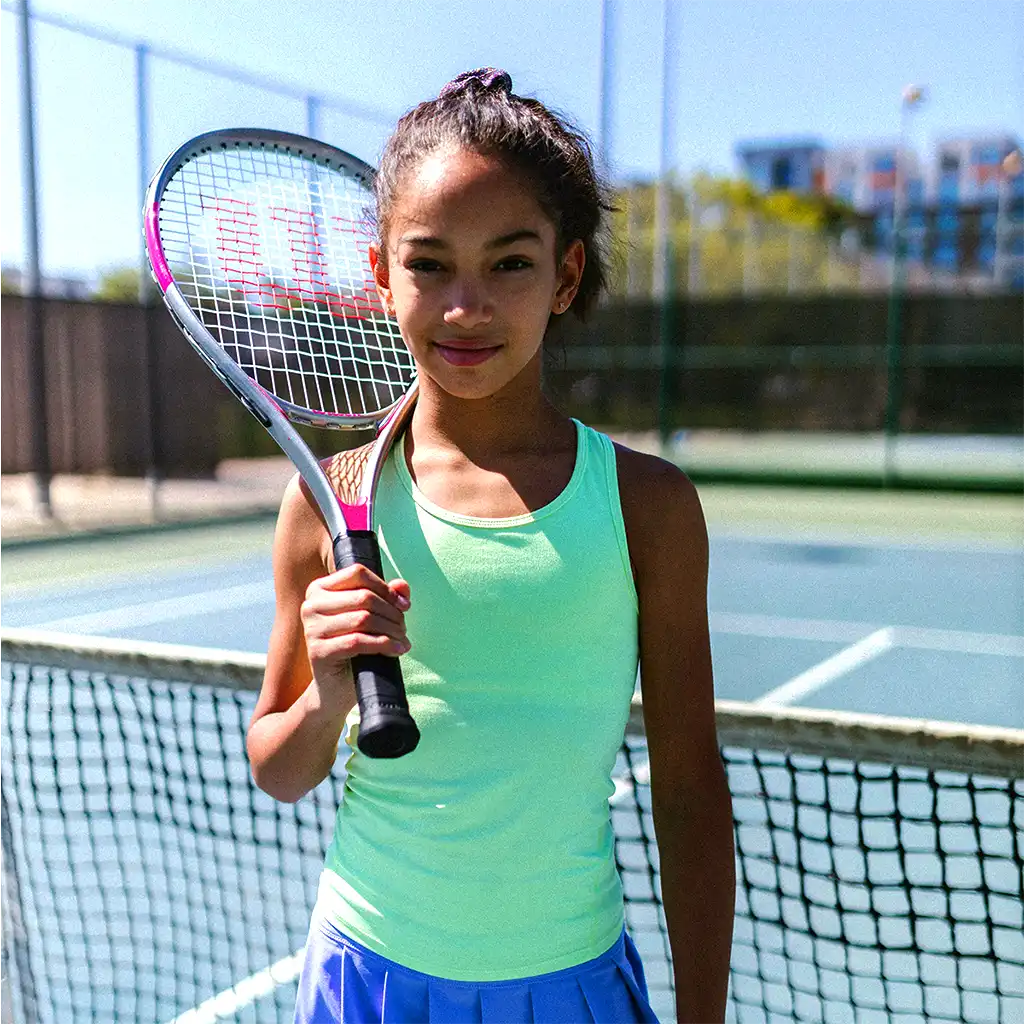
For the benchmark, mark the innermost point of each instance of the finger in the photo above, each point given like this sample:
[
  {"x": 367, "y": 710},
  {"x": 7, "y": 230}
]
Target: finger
[
  {"x": 358, "y": 623},
  {"x": 344, "y": 648},
  {"x": 355, "y": 577},
  {"x": 401, "y": 594},
  {"x": 325, "y": 600},
  {"x": 333, "y": 603}
]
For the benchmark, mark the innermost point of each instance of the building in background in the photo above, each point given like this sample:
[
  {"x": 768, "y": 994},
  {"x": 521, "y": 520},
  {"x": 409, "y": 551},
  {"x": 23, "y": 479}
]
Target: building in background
[
  {"x": 777, "y": 164},
  {"x": 963, "y": 208}
]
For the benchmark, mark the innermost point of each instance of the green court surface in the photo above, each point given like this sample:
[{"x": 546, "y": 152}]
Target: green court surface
[
  {"x": 928, "y": 456},
  {"x": 763, "y": 511},
  {"x": 88, "y": 557},
  {"x": 908, "y": 516},
  {"x": 970, "y": 461}
]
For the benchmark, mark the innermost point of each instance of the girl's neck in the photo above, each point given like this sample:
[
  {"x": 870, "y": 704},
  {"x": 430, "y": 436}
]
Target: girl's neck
[{"x": 514, "y": 421}]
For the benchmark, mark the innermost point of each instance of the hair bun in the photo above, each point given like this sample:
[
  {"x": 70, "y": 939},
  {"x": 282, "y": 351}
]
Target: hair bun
[{"x": 489, "y": 78}]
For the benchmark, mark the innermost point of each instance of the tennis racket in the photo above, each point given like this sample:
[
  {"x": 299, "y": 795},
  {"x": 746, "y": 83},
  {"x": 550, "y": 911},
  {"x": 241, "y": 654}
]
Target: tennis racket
[{"x": 258, "y": 242}]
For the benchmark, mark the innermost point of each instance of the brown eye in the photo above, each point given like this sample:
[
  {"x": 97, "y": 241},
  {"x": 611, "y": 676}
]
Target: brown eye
[
  {"x": 514, "y": 263},
  {"x": 424, "y": 266}
]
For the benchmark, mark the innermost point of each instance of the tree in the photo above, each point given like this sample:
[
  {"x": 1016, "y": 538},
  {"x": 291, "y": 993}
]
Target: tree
[
  {"x": 119, "y": 284},
  {"x": 729, "y": 238}
]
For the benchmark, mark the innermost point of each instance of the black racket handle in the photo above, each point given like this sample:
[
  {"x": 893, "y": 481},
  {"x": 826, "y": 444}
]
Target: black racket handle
[{"x": 386, "y": 729}]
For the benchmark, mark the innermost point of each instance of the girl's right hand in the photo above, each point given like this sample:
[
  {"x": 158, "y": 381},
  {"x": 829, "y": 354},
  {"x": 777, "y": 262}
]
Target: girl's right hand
[{"x": 352, "y": 611}]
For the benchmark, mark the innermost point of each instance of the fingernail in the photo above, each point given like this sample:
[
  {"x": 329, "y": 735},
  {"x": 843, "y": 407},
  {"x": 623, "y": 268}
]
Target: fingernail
[
  {"x": 403, "y": 602},
  {"x": 402, "y": 646}
]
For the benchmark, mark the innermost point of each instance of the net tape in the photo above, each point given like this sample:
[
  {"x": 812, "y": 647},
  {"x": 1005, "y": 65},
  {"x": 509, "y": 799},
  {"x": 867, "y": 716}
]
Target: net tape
[
  {"x": 146, "y": 878},
  {"x": 270, "y": 250}
]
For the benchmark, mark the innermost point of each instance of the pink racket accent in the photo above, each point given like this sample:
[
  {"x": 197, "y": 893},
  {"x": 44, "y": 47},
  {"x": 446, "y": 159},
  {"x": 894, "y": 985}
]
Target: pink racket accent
[
  {"x": 156, "y": 253},
  {"x": 356, "y": 516}
]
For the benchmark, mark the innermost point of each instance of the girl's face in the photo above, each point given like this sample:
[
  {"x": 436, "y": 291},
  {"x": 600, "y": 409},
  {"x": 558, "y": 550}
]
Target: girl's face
[{"x": 471, "y": 271}]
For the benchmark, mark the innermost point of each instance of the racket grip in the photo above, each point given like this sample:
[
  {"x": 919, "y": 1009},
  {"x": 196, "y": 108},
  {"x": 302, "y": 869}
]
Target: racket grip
[{"x": 386, "y": 729}]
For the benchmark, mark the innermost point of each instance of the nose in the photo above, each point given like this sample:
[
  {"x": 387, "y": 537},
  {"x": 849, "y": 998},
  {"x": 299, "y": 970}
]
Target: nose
[{"x": 468, "y": 304}]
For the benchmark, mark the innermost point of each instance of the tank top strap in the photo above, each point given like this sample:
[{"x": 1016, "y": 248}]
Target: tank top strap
[{"x": 600, "y": 491}]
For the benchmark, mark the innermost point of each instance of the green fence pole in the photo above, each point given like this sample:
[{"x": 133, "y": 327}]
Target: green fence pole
[
  {"x": 912, "y": 96},
  {"x": 894, "y": 361},
  {"x": 667, "y": 349}
]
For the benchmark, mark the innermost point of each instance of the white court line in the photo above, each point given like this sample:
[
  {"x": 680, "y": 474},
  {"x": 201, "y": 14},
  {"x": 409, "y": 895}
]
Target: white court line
[
  {"x": 148, "y": 613},
  {"x": 864, "y": 648},
  {"x": 243, "y": 993},
  {"x": 778, "y": 627},
  {"x": 872, "y": 646},
  {"x": 960, "y": 642},
  {"x": 835, "y": 631}
]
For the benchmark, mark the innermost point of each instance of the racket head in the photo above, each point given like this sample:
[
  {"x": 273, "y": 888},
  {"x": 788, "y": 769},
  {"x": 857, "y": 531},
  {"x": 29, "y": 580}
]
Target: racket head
[{"x": 260, "y": 238}]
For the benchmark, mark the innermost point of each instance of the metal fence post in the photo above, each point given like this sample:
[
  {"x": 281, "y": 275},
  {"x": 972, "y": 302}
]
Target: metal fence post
[
  {"x": 154, "y": 448},
  {"x": 32, "y": 282},
  {"x": 663, "y": 270},
  {"x": 312, "y": 116},
  {"x": 604, "y": 101},
  {"x": 912, "y": 95}
]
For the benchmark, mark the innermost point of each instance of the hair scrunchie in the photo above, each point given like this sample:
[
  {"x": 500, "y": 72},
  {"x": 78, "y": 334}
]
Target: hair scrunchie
[{"x": 489, "y": 78}]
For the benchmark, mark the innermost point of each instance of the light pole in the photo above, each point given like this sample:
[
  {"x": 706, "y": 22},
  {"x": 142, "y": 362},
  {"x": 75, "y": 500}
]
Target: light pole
[
  {"x": 661, "y": 282},
  {"x": 605, "y": 85},
  {"x": 1011, "y": 166},
  {"x": 912, "y": 96}
]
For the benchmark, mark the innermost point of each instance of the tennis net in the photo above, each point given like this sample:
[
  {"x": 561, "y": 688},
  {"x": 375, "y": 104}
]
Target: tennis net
[{"x": 145, "y": 878}]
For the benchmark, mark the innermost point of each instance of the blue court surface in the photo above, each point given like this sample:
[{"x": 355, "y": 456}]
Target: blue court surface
[{"x": 907, "y": 626}]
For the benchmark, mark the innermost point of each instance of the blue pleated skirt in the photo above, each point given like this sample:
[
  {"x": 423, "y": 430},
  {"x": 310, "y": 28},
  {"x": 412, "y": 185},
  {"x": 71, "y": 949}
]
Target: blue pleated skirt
[{"x": 343, "y": 982}]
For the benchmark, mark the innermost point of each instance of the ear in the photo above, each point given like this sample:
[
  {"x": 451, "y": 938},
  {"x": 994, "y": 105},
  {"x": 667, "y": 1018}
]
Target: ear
[
  {"x": 569, "y": 276},
  {"x": 381, "y": 277}
]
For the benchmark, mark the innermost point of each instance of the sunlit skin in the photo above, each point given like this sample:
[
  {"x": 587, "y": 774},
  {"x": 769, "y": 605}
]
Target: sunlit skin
[{"x": 472, "y": 271}]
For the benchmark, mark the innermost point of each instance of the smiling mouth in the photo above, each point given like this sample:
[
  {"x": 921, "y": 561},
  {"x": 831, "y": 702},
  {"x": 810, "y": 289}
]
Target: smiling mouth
[{"x": 465, "y": 353}]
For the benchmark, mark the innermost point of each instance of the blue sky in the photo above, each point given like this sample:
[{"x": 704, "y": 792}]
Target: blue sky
[{"x": 739, "y": 69}]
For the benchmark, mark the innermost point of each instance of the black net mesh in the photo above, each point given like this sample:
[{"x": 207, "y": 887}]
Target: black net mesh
[{"x": 147, "y": 879}]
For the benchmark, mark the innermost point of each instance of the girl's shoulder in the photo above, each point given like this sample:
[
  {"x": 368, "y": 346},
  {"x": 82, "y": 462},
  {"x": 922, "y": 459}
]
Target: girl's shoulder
[
  {"x": 301, "y": 538},
  {"x": 653, "y": 486},
  {"x": 661, "y": 510}
]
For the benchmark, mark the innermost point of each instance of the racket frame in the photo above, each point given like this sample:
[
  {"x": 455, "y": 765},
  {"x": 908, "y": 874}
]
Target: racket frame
[
  {"x": 275, "y": 414},
  {"x": 386, "y": 727}
]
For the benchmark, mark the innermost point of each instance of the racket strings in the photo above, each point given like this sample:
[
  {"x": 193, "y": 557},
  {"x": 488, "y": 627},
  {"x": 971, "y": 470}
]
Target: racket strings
[
  {"x": 346, "y": 471},
  {"x": 270, "y": 249}
]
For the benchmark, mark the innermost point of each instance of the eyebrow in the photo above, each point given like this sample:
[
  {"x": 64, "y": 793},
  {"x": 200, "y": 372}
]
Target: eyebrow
[{"x": 431, "y": 242}]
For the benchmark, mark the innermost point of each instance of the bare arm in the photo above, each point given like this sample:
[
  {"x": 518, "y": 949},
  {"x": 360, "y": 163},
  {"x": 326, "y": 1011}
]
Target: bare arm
[
  {"x": 689, "y": 793},
  {"x": 322, "y": 619}
]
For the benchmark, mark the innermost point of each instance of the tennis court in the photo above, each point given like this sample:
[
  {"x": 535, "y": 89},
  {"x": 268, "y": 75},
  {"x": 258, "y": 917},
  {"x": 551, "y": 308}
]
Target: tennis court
[
  {"x": 907, "y": 605},
  {"x": 151, "y": 869}
]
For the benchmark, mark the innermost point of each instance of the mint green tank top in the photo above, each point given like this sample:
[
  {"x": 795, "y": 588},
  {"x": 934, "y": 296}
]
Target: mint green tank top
[{"x": 487, "y": 853}]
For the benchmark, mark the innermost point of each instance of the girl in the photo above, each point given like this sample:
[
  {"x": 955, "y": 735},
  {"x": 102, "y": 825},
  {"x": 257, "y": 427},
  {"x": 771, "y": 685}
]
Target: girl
[{"x": 531, "y": 564}]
